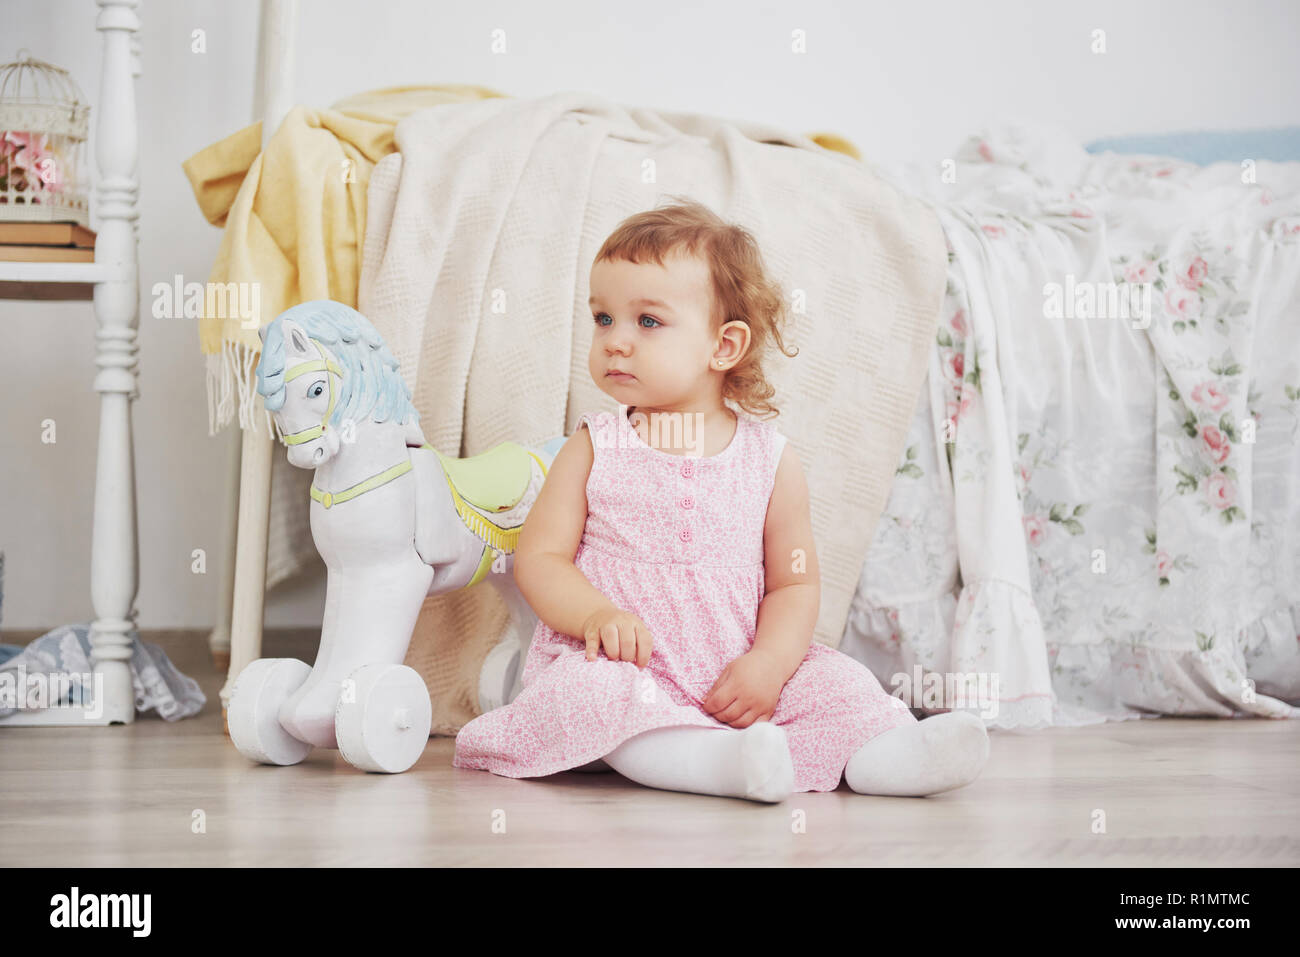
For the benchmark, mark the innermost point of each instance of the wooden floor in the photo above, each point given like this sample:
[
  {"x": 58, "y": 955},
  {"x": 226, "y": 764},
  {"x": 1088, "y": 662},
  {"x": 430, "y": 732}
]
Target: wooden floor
[{"x": 1183, "y": 792}]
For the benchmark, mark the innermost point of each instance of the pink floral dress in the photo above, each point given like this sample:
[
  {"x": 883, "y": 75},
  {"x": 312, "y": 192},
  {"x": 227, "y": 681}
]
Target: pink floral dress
[{"x": 678, "y": 541}]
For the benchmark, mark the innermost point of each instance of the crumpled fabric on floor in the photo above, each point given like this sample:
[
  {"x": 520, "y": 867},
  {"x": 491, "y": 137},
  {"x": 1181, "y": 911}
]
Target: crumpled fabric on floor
[{"x": 66, "y": 650}]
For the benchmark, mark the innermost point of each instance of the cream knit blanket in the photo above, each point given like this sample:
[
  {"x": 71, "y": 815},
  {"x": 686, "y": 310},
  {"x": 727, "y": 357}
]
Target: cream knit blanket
[{"x": 480, "y": 237}]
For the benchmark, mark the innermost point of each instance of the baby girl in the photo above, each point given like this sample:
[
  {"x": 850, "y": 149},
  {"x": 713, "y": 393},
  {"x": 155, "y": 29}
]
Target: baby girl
[{"x": 670, "y": 559}]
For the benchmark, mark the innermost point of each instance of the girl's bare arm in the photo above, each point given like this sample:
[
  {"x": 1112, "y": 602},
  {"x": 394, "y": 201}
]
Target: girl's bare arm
[
  {"x": 552, "y": 585},
  {"x": 788, "y": 613}
]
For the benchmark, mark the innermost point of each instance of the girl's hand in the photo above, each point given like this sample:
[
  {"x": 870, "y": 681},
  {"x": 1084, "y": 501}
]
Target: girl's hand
[
  {"x": 624, "y": 636},
  {"x": 747, "y": 690}
]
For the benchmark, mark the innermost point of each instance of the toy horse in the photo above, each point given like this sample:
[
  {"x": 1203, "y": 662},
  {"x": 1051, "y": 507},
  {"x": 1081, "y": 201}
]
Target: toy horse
[{"x": 394, "y": 520}]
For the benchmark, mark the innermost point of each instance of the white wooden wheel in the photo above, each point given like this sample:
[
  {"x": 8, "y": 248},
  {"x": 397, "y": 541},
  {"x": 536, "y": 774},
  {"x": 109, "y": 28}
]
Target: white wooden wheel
[
  {"x": 254, "y": 712},
  {"x": 383, "y": 718},
  {"x": 496, "y": 678}
]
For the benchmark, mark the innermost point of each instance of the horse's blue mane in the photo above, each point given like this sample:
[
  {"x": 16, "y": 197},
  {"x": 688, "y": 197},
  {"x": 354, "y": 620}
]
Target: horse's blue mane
[{"x": 371, "y": 385}]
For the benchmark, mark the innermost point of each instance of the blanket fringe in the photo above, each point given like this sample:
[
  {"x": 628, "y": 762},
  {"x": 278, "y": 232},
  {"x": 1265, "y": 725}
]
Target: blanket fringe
[{"x": 232, "y": 386}]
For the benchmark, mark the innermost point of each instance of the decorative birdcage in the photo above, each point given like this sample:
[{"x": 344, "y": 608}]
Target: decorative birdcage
[{"x": 43, "y": 123}]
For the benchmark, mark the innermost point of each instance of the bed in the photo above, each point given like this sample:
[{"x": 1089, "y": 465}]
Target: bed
[
  {"x": 1111, "y": 523},
  {"x": 1094, "y": 514}
]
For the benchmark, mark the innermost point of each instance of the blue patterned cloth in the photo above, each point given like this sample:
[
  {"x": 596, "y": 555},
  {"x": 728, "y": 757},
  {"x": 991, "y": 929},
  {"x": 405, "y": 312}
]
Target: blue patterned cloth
[{"x": 66, "y": 651}]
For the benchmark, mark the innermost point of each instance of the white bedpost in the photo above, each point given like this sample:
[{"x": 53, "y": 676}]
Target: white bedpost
[
  {"x": 275, "y": 95},
  {"x": 114, "y": 574},
  {"x": 219, "y": 639}
]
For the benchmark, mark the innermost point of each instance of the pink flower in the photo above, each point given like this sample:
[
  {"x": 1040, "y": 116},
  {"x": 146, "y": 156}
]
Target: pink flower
[
  {"x": 1141, "y": 272},
  {"x": 29, "y": 156},
  {"x": 1216, "y": 442},
  {"x": 29, "y": 149},
  {"x": 958, "y": 322},
  {"x": 1210, "y": 395},
  {"x": 1195, "y": 274},
  {"x": 1022, "y": 480},
  {"x": 1163, "y": 563},
  {"x": 1182, "y": 303},
  {"x": 985, "y": 152},
  {"x": 1164, "y": 172},
  {"x": 997, "y": 232},
  {"x": 956, "y": 367},
  {"x": 15, "y": 140},
  {"x": 955, "y": 410},
  {"x": 1035, "y": 529},
  {"x": 1220, "y": 491},
  {"x": 1076, "y": 211},
  {"x": 47, "y": 171}
]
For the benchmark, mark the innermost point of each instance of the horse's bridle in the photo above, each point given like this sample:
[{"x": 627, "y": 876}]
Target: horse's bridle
[
  {"x": 330, "y": 499},
  {"x": 302, "y": 368}
]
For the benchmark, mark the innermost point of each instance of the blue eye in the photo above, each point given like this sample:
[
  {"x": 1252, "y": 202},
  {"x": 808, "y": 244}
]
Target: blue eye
[
  {"x": 601, "y": 315},
  {"x": 316, "y": 390}
]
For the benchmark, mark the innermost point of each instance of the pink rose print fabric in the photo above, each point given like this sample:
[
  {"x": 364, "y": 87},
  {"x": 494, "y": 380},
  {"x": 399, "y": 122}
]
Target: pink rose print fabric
[
  {"x": 678, "y": 541},
  {"x": 1102, "y": 512}
]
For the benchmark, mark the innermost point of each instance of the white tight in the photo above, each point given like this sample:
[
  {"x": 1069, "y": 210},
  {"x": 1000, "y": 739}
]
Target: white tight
[
  {"x": 936, "y": 754},
  {"x": 752, "y": 763}
]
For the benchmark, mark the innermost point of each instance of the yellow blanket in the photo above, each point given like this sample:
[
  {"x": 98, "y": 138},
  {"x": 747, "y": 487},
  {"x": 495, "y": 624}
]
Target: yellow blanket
[{"x": 294, "y": 218}]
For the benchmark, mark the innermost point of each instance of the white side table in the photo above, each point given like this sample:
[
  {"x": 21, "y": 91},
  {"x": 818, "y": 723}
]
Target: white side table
[{"x": 114, "y": 560}]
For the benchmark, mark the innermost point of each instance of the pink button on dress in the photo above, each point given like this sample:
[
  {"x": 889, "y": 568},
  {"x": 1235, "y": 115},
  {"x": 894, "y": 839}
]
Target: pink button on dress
[{"x": 678, "y": 541}]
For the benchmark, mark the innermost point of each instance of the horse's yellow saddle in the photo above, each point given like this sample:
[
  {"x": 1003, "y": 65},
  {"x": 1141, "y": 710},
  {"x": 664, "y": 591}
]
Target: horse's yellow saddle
[
  {"x": 494, "y": 480},
  {"x": 502, "y": 482}
]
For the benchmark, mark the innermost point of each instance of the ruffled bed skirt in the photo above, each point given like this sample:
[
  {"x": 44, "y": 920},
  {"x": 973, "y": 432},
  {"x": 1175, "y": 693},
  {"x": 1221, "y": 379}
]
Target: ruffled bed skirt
[{"x": 1091, "y": 682}]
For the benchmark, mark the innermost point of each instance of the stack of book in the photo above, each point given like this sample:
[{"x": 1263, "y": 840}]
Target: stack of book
[{"x": 46, "y": 243}]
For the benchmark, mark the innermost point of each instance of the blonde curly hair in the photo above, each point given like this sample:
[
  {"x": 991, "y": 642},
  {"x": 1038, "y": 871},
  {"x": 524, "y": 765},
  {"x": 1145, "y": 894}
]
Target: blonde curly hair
[{"x": 742, "y": 289}]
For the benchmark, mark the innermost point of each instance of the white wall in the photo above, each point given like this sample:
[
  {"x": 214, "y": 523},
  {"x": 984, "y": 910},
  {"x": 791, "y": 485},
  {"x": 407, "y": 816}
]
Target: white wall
[{"x": 904, "y": 81}]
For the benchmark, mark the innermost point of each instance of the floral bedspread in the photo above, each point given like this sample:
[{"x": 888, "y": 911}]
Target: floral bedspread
[{"x": 1098, "y": 507}]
